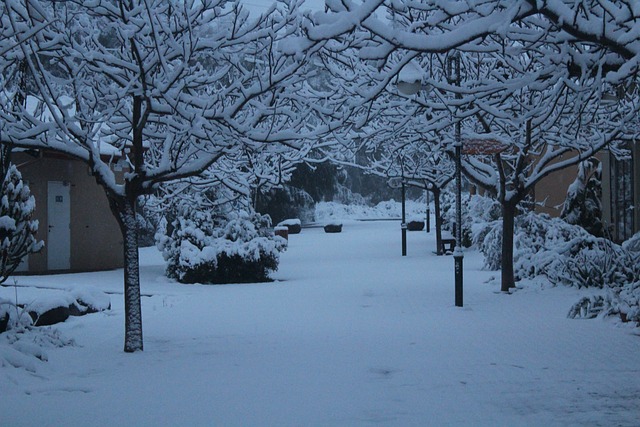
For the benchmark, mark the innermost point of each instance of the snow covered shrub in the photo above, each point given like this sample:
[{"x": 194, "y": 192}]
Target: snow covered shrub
[
  {"x": 594, "y": 262},
  {"x": 538, "y": 238},
  {"x": 625, "y": 300},
  {"x": 583, "y": 205},
  {"x": 488, "y": 239},
  {"x": 477, "y": 212},
  {"x": 27, "y": 348},
  {"x": 632, "y": 244},
  {"x": 17, "y": 229},
  {"x": 478, "y": 216},
  {"x": 588, "y": 307},
  {"x": 538, "y": 243},
  {"x": 201, "y": 247},
  {"x": 618, "y": 300},
  {"x": 287, "y": 202}
]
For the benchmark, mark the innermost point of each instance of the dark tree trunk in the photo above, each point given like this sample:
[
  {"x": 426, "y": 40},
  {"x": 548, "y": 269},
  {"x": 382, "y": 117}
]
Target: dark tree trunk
[
  {"x": 508, "y": 221},
  {"x": 436, "y": 205},
  {"x": 124, "y": 208}
]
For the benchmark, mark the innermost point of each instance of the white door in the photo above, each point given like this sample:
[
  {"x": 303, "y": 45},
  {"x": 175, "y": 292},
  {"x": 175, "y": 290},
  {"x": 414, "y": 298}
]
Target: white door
[{"x": 59, "y": 226}]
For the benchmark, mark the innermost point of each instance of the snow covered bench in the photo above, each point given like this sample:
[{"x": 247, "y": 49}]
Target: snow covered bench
[{"x": 415, "y": 225}]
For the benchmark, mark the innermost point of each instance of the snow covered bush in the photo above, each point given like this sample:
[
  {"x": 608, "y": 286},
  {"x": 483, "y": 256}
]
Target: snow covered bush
[
  {"x": 583, "y": 205},
  {"x": 27, "y": 348},
  {"x": 17, "y": 229},
  {"x": 538, "y": 240},
  {"x": 477, "y": 211},
  {"x": 201, "y": 246},
  {"x": 594, "y": 262},
  {"x": 633, "y": 244},
  {"x": 623, "y": 301},
  {"x": 626, "y": 301},
  {"x": 568, "y": 255}
]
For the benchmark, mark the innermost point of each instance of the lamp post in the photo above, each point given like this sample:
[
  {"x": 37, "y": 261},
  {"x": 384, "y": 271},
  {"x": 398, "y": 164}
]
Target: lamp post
[
  {"x": 410, "y": 83},
  {"x": 428, "y": 208},
  {"x": 453, "y": 74},
  {"x": 404, "y": 220}
]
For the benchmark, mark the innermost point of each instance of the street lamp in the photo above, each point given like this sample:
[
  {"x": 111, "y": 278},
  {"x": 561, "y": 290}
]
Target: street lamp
[
  {"x": 453, "y": 75},
  {"x": 404, "y": 219},
  {"x": 410, "y": 83},
  {"x": 429, "y": 187},
  {"x": 398, "y": 182}
]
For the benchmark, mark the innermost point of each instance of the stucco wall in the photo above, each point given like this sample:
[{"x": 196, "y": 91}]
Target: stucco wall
[
  {"x": 551, "y": 191},
  {"x": 96, "y": 241}
]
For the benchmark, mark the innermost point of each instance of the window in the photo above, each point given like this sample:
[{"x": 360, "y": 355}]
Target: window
[{"x": 622, "y": 198}]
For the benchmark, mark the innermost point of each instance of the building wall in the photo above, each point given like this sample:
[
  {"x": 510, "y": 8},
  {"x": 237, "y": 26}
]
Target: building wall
[
  {"x": 551, "y": 191},
  {"x": 96, "y": 241}
]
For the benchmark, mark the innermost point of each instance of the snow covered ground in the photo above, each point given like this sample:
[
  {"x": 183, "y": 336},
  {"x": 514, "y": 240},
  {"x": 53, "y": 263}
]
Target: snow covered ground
[{"x": 349, "y": 334}]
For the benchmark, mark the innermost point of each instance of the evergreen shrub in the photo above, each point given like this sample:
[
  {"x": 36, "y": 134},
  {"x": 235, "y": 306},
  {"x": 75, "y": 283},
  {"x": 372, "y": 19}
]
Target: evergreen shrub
[{"x": 201, "y": 247}]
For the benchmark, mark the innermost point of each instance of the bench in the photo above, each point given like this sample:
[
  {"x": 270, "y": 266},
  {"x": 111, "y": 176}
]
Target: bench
[{"x": 448, "y": 242}]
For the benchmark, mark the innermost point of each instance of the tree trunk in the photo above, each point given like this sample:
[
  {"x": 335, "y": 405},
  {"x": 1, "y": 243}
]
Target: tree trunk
[
  {"x": 124, "y": 208},
  {"x": 436, "y": 205},
  {"x": 508, "y": 221}
]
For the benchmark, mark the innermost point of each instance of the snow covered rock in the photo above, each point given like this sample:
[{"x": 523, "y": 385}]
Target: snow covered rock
[
  {"x": 294, "y": 225},
  {"x": 88, "y": 300},
  {"x": 51, "y": 316},
  {"x": 4, "y": 320},
  {"x": 333, "y": 227},
  {"x": 50, "y": 310},
  {"x": 79, "y": 301}
]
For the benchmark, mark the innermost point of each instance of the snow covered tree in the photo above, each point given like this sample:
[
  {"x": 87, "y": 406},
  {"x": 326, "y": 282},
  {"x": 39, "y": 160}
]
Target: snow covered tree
[
  {"x": 442, "y": 25},
  {"x": 17, "y": 228},
  {"x": 172, "y": 89},
  {"x": 530, "y": 94}
]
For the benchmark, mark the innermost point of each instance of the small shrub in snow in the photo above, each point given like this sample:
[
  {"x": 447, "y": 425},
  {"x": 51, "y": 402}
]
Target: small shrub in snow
[
  {"x": 26, "y": 348},
  {"x": 582, "y": 206},
  {"x": 626, "y": 300},
  {"x": 588, "y": 307},
  {"x": 488, "y": 239},
  {"x": 632, "y": 244},
  {"x": 17, "y": 229},
  {"x": 538, "y": 242},
  {"x": 567, "y": 255},
  {"x": 622, "y": 300},
  {"x": 594, "y": 263},
  {"x": 202, "y": 248},
  {"x": 477, "y": 211},
  {"x": 390, "y": 209},
  {"x": 538, "y": 238}
]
